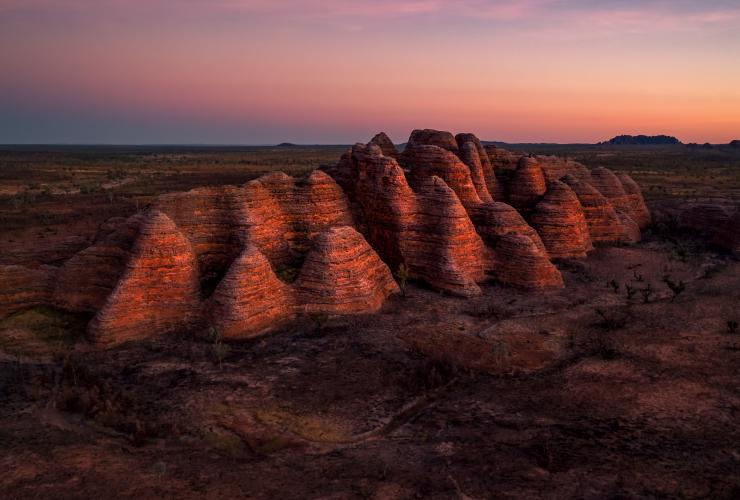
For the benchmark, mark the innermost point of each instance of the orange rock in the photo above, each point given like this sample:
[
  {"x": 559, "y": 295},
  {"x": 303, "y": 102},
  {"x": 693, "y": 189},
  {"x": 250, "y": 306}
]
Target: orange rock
[
  {"x": 527, "y": 184},
  {"x": 520, "y": 262},
  {"x": 561, "y": 223},
  {"x": 495, "y": 188},
  {"x": 85, "y": 281},
  {"x": 443, "y": 247},
  {"x": 470, "y": 157},
  {"x": 428, "y": 161},
  {"x": 250, "y": 300},
  {"x": 343, "y": 275},
  {"x": 494, "y": 220},
  {"x": 603, "y": 223},
  {"x": 159, "y": 291}
]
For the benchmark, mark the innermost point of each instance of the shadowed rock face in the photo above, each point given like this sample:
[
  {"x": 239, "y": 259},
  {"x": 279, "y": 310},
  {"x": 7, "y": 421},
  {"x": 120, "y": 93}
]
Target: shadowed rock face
[
  {"x": 385, "y": 144},
  {"x": 640, "y": 212},
  {"x": 527, "y": 185},
  {"x": 431, "y": 137},
  {"x": 85, "y": 281},
  {"x": 561, "y": 223},
  {"x": 603, "y": 223},
  {"x": 728, "y": 236},
  {"x": 24, "y": 287},
  {"x": 341, "y": 231}
]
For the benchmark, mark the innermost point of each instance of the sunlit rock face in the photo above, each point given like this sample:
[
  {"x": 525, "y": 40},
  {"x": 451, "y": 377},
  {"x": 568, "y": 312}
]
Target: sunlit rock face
[{"x": 245, "y": 260}]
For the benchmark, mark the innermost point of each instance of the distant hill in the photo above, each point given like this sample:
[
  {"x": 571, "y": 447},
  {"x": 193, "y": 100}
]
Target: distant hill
[
  {"x": 286, "y": 145},
  {"x": 735, "y": 143},
  {"x": 632, "y": 140}
]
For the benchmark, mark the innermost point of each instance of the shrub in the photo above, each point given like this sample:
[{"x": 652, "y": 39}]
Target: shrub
[
  {"x": 732, "y": 327},
  {"x": 402, "y": 276},
  {"x": 676, "y": 287}
]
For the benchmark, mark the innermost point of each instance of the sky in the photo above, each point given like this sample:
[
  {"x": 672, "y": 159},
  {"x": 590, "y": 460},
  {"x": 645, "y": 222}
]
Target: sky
[{"x": 337, "y": 72}]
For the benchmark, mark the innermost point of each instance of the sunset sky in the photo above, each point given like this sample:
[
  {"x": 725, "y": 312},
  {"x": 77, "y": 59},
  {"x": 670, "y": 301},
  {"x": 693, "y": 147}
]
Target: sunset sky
[{"x": 333, "y": 71}]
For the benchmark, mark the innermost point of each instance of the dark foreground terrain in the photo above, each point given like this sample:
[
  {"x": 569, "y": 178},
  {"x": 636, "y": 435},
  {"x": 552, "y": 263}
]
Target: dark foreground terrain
[{"x": 622, "y": 385}]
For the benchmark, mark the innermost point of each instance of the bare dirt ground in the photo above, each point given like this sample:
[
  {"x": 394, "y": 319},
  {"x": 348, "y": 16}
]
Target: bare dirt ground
[{"x": 615, "y": 387}]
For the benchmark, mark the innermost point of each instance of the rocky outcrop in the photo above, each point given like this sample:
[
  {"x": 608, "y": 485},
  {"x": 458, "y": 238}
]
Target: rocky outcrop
[
  {"x": 554, "y": 168},
  {"x": 443, "y": 246},
  {"x": 520, "y": 262},
  {"x": 527, "y": 184},
  {"x": 611, "y": 187},
  {"x": 603, "y": 222},
  {"x": 431, "y": 137},
  {"x": 229, "y": 256},
  {"x": 501, "y": 158},
  {"x": 250, "y": 300},
  {"x": 85, "y": 281},
  {"x": 431, "y": 161},
  {"x": 343, "y": 275},
  {"x": 159, "y": 291},
  {"x": 477, "y": 155},
  {"x": 561, "y": 223},
  {"x": 425, "y": 228},
  {"x": 639, "y": 209},
  {"x": 494, "y": 220},
  {"x": 24, "y": 287},
  {"x": 385, "y": 144},
  {"x": 205, "y": 216}
]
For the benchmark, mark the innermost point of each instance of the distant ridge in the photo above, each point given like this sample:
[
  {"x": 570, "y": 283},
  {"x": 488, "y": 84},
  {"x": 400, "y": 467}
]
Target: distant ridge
[{"x": 642, "y": 139}]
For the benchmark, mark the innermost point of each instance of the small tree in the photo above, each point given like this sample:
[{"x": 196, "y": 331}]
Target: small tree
[{"x": 402, "y": 276}]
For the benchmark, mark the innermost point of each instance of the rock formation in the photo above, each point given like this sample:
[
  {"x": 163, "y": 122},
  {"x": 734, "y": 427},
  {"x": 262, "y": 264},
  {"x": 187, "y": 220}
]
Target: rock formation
[
  {"x": 527, "y": 184},
  {"x": 430, "y": 137},
  {"x": 86, "y": 280},
  {"x": 159, "y": 291},
  {"x": 468, "y": 155},
  {"x": 603, "y": 222},
  {"x": 250, "y": 300},
  {"x": 343, "y": 275},
  {"x": 246, "y": 259},
  {"x": 385, "y": 144},
  {"x": 561, "y": 223},
  {"x": 639, "y": 209},
  {"x": 519, "y": 261}
]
